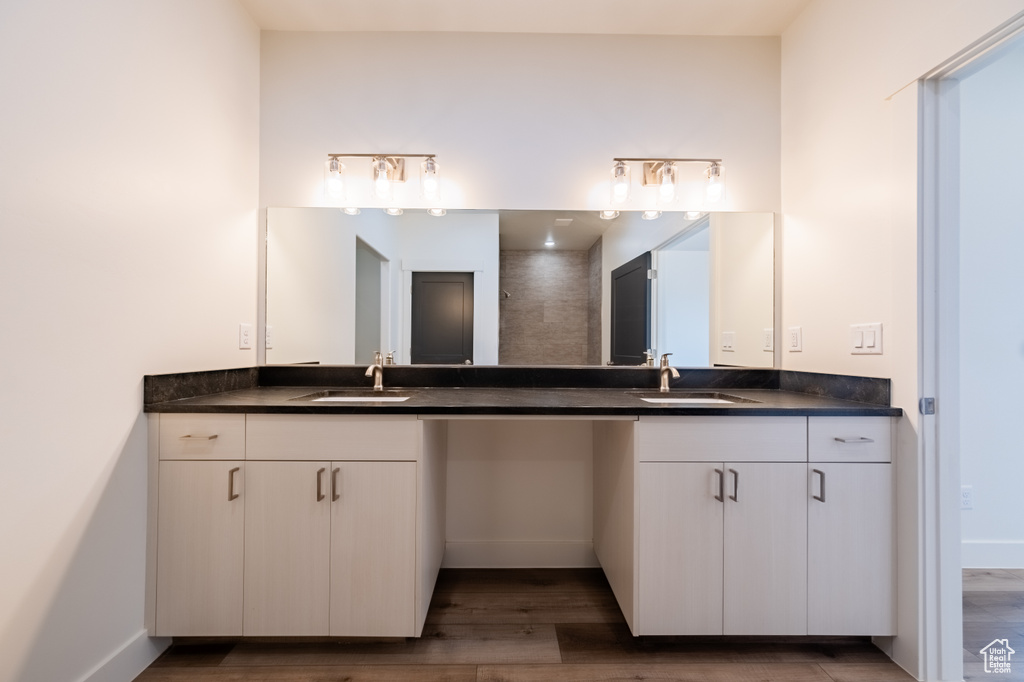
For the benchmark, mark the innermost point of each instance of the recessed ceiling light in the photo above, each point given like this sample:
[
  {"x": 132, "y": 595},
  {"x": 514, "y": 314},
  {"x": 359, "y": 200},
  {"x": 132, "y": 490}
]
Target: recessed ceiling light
[{"x": 549, "y": 242}]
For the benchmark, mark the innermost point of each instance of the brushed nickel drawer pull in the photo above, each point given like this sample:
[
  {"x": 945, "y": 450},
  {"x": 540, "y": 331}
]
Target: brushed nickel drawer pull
[
  {"x": 820, "y": 498},
  {"x": 191, "y": 437},
  {"x": 232, "y": 495},
  {"x": 857, "y": 439},
  {"x": 735, "y": 485},
  {"x": 334, "y": 485},
  {"x": 320, "y": 484},
  {"x": 721, "y": 485}
]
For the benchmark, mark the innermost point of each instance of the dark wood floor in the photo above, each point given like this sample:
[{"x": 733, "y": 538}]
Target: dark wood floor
[
  {"x": 536, "y": 625},
  {"x": 993, "y": 609}
]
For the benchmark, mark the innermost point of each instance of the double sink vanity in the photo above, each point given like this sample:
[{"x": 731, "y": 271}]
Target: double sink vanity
[{"x": 297, "y": 501}]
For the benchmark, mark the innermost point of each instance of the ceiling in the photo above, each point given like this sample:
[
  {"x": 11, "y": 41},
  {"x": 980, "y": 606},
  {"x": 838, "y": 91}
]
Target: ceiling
[
  {"x": 643, "y": 17},
  {"x": 570, "y": 230}
]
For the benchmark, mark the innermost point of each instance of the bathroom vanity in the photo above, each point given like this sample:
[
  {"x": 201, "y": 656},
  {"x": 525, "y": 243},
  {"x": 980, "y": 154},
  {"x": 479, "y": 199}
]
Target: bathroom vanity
[{"x": 274, "y": 513}]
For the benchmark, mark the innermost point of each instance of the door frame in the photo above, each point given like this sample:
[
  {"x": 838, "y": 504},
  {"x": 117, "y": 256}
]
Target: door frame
[
  {"x": 941, "y": 611},
  {"x": 476, "y": 266}
]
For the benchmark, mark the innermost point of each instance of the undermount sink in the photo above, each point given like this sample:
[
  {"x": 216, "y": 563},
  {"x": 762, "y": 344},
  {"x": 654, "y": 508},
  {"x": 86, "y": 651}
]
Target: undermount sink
[
  {"x": 690, "y": 398},
  {"x": 356, "y": 395}
]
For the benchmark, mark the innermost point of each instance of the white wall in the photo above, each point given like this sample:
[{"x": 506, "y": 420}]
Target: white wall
[
  {"x": 128, "y": 195},
  {"x": 849, "y": 185},
  {"x": 518, "y": 121},
  {"x": 991, "y": 328}
]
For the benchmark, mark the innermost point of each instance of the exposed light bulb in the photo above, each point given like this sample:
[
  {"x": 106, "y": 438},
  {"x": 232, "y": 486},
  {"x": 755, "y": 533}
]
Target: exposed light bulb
[
  {"x": 620, "y": 182},
  {"x": 667, "y": 188},
  {"x": 651, "y": 215},
  {"x": 715, "y": 189},
  {"x": 351, "y": 210},
  {"x": 394, "y": 211},
  {"x": 608, "y": 215},
  {"x": 381, "y": 183},
  {"x": 437, "y": 212},
  {"x": 430, "y": 179},
  {"x": 334, "y": 178}
]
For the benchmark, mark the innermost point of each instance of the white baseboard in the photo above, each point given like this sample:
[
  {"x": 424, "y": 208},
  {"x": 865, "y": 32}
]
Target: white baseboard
[
  {"x": 992, "y": 554},
  {"x": 129, "y": 660},
  {"x": 519, "y": 555}
]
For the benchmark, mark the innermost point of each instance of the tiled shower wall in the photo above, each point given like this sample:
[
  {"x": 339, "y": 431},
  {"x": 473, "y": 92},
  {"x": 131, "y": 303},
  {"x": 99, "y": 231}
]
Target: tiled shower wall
[{"x": 545, "y": 318}]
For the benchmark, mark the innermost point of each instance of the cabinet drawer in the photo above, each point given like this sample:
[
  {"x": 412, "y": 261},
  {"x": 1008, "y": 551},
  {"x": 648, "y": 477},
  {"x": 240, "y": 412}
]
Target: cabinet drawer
[
  {"x": 202, "y": 436},
  {"x": 719, "y": 439},
  {"x": 323, "y": 437},
  {"x": 849, "y": 439}
]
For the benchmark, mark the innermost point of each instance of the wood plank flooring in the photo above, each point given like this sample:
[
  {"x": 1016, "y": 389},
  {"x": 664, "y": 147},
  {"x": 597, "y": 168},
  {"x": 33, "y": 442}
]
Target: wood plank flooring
[
  {"x": 527, "y": 625},
  {"x": 993, "y": 609}
]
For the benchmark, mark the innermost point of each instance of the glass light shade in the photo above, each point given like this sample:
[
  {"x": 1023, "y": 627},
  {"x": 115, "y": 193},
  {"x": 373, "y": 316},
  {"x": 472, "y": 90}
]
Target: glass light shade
[
  {"x": 436, "y": 212},
  {"x": 651, "y": 215},
  {"x": 620, "y": 182},
  {"x": 430, "y": 179},
  {"x": 334, "y": 179},
  {"x": 716, "y": 187},
  {"x": 351, "y": 210},
  {"x": 608, "y": 215},
  {"x": 692, "y": 215},
  {"x": 668, "y": 184},
  {"x": 381, "y": 183},
  {"x": 394, "y": 211}
]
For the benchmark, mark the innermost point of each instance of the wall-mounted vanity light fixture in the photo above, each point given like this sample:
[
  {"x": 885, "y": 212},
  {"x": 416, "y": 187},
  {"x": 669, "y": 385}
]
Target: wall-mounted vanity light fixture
[
  {"x": 664, "y": 174},
  {"x": 385, "y": 171}
]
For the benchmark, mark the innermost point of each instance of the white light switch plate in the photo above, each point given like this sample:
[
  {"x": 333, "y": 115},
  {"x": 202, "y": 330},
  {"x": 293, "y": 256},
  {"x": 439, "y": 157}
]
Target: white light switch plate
[
  {"x": 244, "y": 336},
  {"x": 729, "y": 341},
  {"x": 270, "y": 336},
  {"x": 866, "y": 339},
  {"x": 794, "y": 340},
  {"x": 768, "y": 339}
]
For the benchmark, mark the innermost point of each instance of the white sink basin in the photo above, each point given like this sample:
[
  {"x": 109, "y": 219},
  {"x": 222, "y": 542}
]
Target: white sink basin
[
  {"x": 361, "y": 399},
  {"x": 702, "y": 401}
]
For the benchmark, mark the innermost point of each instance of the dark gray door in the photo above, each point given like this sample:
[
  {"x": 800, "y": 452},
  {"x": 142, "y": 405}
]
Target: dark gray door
[
  {"x": 442, "y": 318},
  {"x": 631, "y": 311}
]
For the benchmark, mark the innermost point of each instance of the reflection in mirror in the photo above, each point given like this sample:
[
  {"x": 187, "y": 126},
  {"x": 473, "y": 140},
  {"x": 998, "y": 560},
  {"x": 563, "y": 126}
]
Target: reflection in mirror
[{"x": 338, "y": 287}]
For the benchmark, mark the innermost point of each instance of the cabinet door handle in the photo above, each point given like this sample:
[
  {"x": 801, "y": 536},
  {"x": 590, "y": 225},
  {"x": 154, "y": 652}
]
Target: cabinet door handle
[
  {"x": 735, "y": 485},
  {"x": 821, "y": 497},
  {"x": 334, "y": 485},
  {"x": 320, "y": 484},
  {"x": 232, "y": 495},
  {"x": 721, "y": 485},
  {"x": 857, "y": 439},
  {"x": 189, "y": 436}
]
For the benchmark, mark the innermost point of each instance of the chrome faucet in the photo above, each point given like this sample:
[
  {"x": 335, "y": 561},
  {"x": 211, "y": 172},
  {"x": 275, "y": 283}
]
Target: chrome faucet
[
  {"x": 666, "y": 371},
  {"x": 376, "y": 370}
]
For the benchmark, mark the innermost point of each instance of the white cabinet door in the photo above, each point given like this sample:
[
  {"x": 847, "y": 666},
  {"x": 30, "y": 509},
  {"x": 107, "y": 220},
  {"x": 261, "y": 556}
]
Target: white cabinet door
[
  {"x": 287, "y": 548},
  {"x": 765, "y": 585},
  {"x": 373, "y": 549},
  {"x": 680, "y": 549},
  {"x": 200, "y": 522},
  {"x": 851, "y": 549}
]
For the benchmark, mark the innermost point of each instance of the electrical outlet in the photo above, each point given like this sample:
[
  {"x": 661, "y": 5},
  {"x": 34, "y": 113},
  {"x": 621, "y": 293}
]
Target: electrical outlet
[
  {"x": 729, "y": 341},
  {"x": 967, "y": 497},
  {"x": 794, "y": 340},
  {"x": 768, "y": 339},
  {"x": 244, "y": 336}
]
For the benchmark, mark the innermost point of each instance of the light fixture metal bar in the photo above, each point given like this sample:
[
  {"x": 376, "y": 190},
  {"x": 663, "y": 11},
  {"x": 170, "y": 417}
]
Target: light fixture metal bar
[
  {"x": 386, "y": 156},
  {"x": 648, "y": 159}
]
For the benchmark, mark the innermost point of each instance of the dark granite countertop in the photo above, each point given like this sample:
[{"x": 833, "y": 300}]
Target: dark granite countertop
[{"x": 462, "y": 400}]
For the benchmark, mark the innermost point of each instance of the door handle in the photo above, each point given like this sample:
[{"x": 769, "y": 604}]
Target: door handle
[
  {"x": 721, "y": 485},
  {"x": 821, "y": 497},
  {"x": 232, "y": 495},
  {"x": 334, "y": 485},
  {"x": 735, "y": 485},
  {"x": 320, "y": 484}
]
